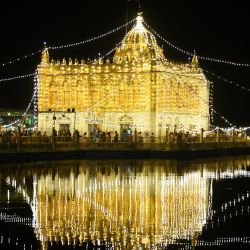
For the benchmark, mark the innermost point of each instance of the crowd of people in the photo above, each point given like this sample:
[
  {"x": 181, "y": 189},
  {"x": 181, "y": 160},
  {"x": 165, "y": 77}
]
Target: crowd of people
[{"x": 14, "y": 136}]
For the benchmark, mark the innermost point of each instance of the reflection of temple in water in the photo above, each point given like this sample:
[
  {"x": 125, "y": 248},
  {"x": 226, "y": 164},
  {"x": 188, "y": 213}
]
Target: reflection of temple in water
[
  {"x": 146, "y": 209},
  {"x": 125, "y": 204}
]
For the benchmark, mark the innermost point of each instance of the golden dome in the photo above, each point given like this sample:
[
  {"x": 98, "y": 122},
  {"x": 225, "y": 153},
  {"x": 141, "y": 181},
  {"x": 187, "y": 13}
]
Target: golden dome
[{"x": 138, "y": 44}]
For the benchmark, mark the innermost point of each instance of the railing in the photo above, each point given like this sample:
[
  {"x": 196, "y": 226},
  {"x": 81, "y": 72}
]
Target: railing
[{"x": 66, "y": 143}]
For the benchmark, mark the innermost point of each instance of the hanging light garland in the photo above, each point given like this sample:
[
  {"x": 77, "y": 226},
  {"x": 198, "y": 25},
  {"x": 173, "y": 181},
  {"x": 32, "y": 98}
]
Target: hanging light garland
[
  {"x": 211, "y": 101},
  {"x": 12, "y": 124},
  {"x": 21, "y": 58},
  {"x": 34, "y": 74},
  {"x": 192, "y": 54},
  {"x": 91, "y": 39},
  {"x": 17, "y": 77},
  {"x": 221, "y": 78},
  {"x": 221, "y": 116},
  {"x": 110, "y": 51},
  {"x": 35, "y": 99},
  {"x": 66, "y": 45},
  {"x": 163, "y": 60},
  {"x": 226, "y": 80},
  {"x": 116, "y": 29},
  {"x": 19, "y": 121},
  {"x": 211, "y": 90}
]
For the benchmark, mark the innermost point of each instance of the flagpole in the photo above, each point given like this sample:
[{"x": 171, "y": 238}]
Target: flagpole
[{"x": 126, "y": 16}]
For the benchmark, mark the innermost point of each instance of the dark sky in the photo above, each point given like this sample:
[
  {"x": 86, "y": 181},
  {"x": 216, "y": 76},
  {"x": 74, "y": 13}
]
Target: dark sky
[{"x": 212, "y": 30}]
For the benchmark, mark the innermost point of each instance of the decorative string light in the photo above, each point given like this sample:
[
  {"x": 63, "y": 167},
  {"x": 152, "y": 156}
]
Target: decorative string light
[
  {"x": 16, "y": 122},
  {"x": 21, "y": 58},
  {"x": 17, "y": 77},
  {"x": 110, "y": 51},
  {"x": 67, "y": 45},
  {"x": 20, "y": 120},
  {"x": 211, "y": 101},
  {"x": 221, "y": 116},
  {"x": 211, "y": 105},
  {"x": 192, "y": 54},
  {"x": 91, "y": 39},
  {"x": 35, "y": 99},
  {"x": 163, "y": 60},
  {"x": 190, "y": 87},
  {"x": 211, "y": 92},
  {"x": 226, "y": 80}
]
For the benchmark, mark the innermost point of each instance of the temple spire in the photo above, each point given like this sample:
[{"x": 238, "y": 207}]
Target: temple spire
[
  {"x": 139, "y": 21},
  {"x": 195, "y": 60},
  {"x": 45, "y": 55},
  {"x": 139, "y": 5}
]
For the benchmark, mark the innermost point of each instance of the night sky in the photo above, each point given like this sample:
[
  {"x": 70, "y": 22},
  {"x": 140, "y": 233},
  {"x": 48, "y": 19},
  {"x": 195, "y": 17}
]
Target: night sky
[{"x": 215, "y": 31}]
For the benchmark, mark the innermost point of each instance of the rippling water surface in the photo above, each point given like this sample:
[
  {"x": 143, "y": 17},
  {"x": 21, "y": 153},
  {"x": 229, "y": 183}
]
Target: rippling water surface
[{"x": 129, "y": 204}]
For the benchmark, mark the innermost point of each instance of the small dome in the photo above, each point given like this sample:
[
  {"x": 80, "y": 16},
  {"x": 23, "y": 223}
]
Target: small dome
[
  {"x": 138, "y": 43},
  {"x": 139, "y": 35}
]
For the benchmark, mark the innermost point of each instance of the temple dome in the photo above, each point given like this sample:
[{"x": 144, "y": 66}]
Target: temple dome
[{"x": 138, "y": 43}]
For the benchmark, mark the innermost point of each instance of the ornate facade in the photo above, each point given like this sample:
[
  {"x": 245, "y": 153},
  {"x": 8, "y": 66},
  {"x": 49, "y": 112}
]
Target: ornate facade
[{"x": 138, "y": 89}]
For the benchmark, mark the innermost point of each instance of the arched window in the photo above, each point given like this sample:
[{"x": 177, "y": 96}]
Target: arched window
[{"x": 52, "y": 98}]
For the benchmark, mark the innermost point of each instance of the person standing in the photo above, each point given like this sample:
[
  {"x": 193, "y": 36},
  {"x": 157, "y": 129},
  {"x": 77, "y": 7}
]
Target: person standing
[
  {"x": 152, "y": 138},
  {"x": 116, "y": 137}
]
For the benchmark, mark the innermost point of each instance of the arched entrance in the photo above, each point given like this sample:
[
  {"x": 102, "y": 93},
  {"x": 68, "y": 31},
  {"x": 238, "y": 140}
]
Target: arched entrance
[
  {"x": 64, "y": 125},
  {"x": 126, "y": 123}
]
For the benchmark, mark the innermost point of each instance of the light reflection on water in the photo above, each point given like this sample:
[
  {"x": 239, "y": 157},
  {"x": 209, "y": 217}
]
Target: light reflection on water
[{"x": 126, "y": 204}]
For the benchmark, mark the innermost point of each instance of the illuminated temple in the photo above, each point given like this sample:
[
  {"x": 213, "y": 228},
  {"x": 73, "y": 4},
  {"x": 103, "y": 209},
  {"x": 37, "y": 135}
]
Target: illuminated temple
[{"x": 137, "y": 89}]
